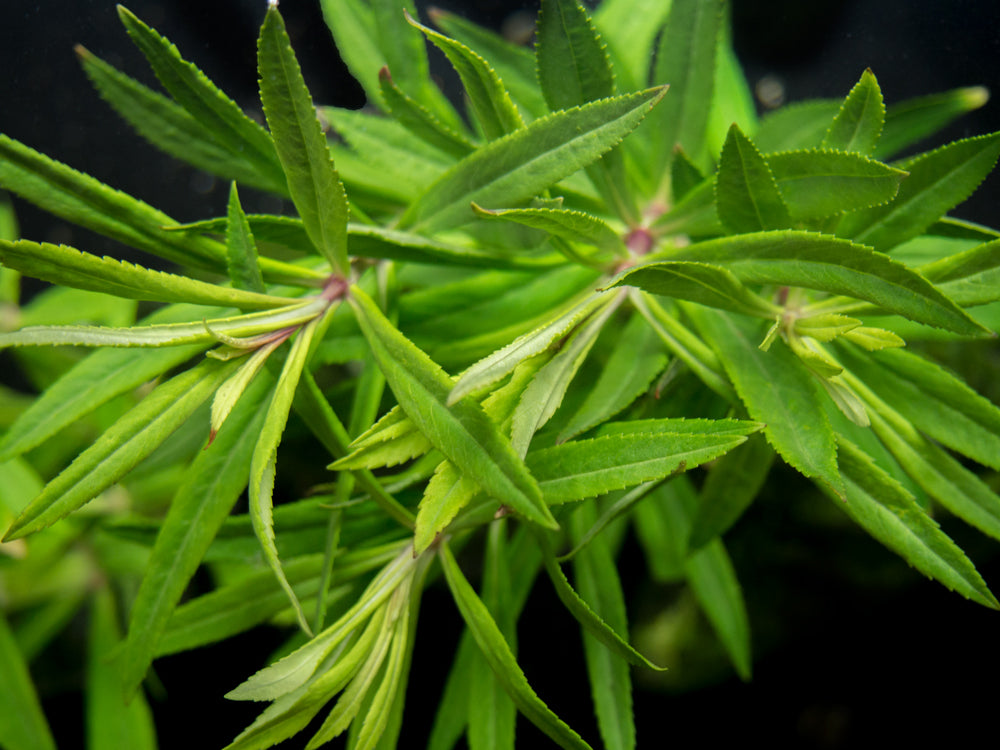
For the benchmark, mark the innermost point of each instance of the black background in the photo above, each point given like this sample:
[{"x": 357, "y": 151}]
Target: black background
[{"x": 852, "y": 648}]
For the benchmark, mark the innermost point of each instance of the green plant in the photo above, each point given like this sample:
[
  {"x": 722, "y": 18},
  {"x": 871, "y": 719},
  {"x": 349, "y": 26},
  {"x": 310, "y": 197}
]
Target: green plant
[{"x": 515, "y": 329}]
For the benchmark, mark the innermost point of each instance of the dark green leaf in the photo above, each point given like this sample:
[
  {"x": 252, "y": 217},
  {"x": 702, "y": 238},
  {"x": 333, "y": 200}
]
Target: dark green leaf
[
  {"x": 420, "y": 121},
  {"x": 22, "y": 723},
  {"x": 859, "y": 123},
  {"x": 912, "y": 120},
  {"x": 796, "y": 126},
  {"x": 241, "y": 250},
  {"x": 313, "y": 182},
  {"x": 746, "y": 194}
]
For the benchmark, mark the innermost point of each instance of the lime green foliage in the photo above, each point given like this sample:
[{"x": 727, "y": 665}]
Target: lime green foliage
[{"x": 601, "y": 293}]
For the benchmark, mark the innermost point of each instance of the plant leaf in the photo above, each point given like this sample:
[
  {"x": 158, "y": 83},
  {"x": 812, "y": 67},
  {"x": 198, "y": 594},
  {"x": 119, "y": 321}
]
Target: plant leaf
[
  {"x": 651, "y": 450},
  {"x": 241, "y": 250},
  {"x": 212, "y": 485},
  {"x": 262, "y": 463},
  {"x": 746, "y": 194},
  {"x": 574, "y": 226},
  {"x": 59, "y": 264},
  {"x": 22, "y": 723},
  {"x": 971, "y": 277},
  {"x": 815, "y": 183},
  {"x": 460, "y": 430},
  {"x": 133, "y": 437},
  {"x": 776, "y": 390},
  {"x": 171, "y": 128},
  {"x": 859, "y": 122},
  {"x": 520, "y": 165},
  {"x": 419, "y": 121},
  {"x": 796, "y": 126},
  {"x": 817, "y": 261},
  {"x": 498, "y": 655},
  {"x": 211, "y": 109},
  {"x": 888, "y": 512},
  {"x": 938, "y": 181},
  {"x": 913, "y": 120},
  {"x": 714, "y": 286},
  {"x": 627, "y": 372},
  {"x": 313, "y": 182}
]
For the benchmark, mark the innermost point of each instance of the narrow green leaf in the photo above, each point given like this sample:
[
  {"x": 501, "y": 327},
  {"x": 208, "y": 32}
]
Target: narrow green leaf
[
  {"x": 420, "y": 121},
  {"x": 111, "y": 722},
  {"x": 496, "y": 365},
  {"x": 488, "y": 99},
  {"x": 685, "y": 59},
  {"x": 133, "y": 437},
  {"x": 776, "y": 390},
  {"x": 447, "y": 492},
  {"x": 888, "y": 512},
  {"x": 498, "y": 655},
  {"x": 601, "y": 591},
  {"x": 630, "y": 28},
  {"x": 912, "y": 120},
  {"x": 732, "y": 99},
  {"x": 971, "y": 277},
  {"x": 522, "y": 164},
  {"x": 829, "y": 264},
  {"x": 859, "y": 123},
  {"x": 628, "y": 371},
  {"x": 574, "y": 226},
  {"x": 514, "y": 63},
  {"x": 97, "y": 378},
  {"x": 938, "y": 181},
  {"x": 746, "y": 194},
  {"x": 212, "y": 484},
  {"x": 684, "y": 175},
  {"x": 819, "y": 183},
  {"x": 313, "y": 182},
  {"x": 714, "y": 286},
  {"x": 591, "y": 622},
  {"x": 934, "y": 400},
  {"x": 352, "y": 23},
  {"x": 262, "y": 464},
  {"x": 59, "y": 264},
  {"x": 22, "y": 723},
  {"x": 241, "y": 250},
  {"x": 212, "y": 109},
  {"x": 461, "y": 430},
  {"x": 587, "y": 468},
  {"x": 545, "y": 393},
  {"x": 171, "y": 128}
]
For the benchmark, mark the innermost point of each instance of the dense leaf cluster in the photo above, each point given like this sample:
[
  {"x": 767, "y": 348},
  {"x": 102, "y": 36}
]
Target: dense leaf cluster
[{"x": 514, "y": 329}]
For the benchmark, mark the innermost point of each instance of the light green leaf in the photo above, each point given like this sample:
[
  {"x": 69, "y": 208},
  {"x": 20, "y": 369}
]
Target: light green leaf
[
  {"x": 22, "y": 723},
  {"x": 746, "y": 194},
  {"x": 97, "y": 378},
  {"x": 514, "y": 64},
  {"x": 573, "y": 226},
  {"x": 933, "y": 400},
  {"x": 488, "y": 99},
  {"x": 212, "y": 484},
  {"x": 352, "y": 23},
  {"x": 241, "y": 250},
  {"x": 216, "y": 113},
  {"x": 971, "y": 277},
  {"x": 419, "y": 121},
  {"x": 168, "y": 334},
  {"x": 601, "y": 593},
  {"x": 627, "y": 372},
  {"x": 634, "y": 453},
  {"x": 262, "y": 464},
  {"x": 685, "y": 59},
  {"x": 498, "y": 655},
  {"x": 630, "y": 28},
  {"x": 776, "y": 390},
  {"x": 522, "y": 164},
  {"x": 59, "y": 264},
  {"x": 859, "y": 123},
  {"x": 714, "y": 286},
  {"x": 171, "y": 128},
  {"x": 829, "y": 264},
  {"x": 499, "y": 363},
  {"x": 818, "y": 183},
  {"x": 888, "y": 512},
  {"x": 913, "y": 120},
  {"x": 313, "y": 182},
  {"x": 732, "y": 99},
  {"x": 447, "y": 492},
  {"x": 460, "y": 430},
  {"x": 938, "y": 181},
  {"x": 110, "y": 721},
  {"x": 684, "y": 175},
  {"x": 122, "y": 446}
]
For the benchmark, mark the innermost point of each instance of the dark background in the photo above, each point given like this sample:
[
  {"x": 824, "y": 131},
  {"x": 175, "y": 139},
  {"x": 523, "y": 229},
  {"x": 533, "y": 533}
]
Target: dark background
[{"x": 852, "y": 647}]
